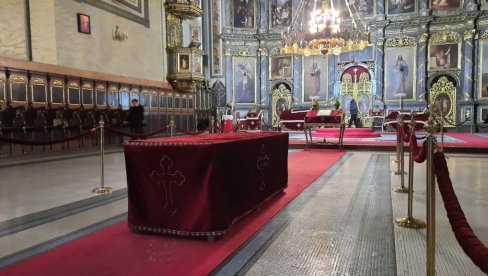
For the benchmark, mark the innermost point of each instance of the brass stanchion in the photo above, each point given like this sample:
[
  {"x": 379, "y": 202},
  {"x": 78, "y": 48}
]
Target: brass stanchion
[
  {"x": 397, "y": 160},
  {"x": 401, "y": 161},
  {"x": 431, "y": 127},
  {"x": 410, "y": 221},
  {"x": 102, "y": 189},
  {"x": 172, "y": 126},
  {"x": 212, "y": 125},
  {"x": 442, "y": 132}
]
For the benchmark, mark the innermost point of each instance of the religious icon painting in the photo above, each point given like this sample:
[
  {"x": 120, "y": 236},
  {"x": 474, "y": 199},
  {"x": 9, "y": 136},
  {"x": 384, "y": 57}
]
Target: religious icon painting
[
  {"x": 445, "y": 5},
  {"x": 195, "y": 34},
  {"x": 198, "y": 65},
  {"x": 444, "y": 57},
  {"x": 314, "y": 79},
  {"x": 362, "y": 8},
  {"x": 483, "y": 111},
  {"x": 280, "y": 13},
  {"x": 84, "y": 23},
  {"x": 183, "y": 63},
  {"x": 400, "y": 70},
  {"x": 281, "y": 67},
  {"x": 483, "y": 89},
  {"x": 244, "y": 80},
  {"x": 400, "y": 6},
  {"x": 244, "y": 12},
  {"x": 443, "y": 103}
]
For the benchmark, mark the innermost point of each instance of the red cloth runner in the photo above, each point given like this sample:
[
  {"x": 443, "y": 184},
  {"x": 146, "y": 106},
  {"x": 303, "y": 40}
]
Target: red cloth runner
[{"x": 201, "y": 185}]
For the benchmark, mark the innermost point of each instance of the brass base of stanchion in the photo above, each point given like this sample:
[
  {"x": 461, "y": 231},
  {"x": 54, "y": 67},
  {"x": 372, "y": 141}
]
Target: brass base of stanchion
[
  {"x": 410, "y": 223},
  {"x": 401, "y": 189},
  {"x": 102, "y": 190},
  {"x": 398, "y": 173}
]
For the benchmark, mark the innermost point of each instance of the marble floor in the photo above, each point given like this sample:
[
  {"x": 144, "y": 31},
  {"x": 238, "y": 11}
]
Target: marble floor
[{"x": 340, "y": 225}]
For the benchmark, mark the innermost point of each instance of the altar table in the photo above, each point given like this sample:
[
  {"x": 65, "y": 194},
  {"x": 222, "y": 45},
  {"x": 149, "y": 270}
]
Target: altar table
[
  {"x": 315, "y": 118},
  {"x": 391, "y": 120},
  {"x": 199, "y": 186}
]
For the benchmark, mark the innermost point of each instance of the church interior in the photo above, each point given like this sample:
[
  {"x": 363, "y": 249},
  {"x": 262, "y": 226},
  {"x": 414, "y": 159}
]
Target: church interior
[{"x": 243, "y": 137}]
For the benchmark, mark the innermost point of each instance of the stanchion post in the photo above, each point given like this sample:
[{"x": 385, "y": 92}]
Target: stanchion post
[
  {"x": 212, "y": 125},
  {"x": 397, "y": 160},
  {"x": 102, "y": 189},
  {"x": 401, "y": 160},
  {"x": 431, "y": 127},
  {"x": 442, "y": 132},
  {"x": 172, "y": 126},
  {"x": 410, "y": 221}
]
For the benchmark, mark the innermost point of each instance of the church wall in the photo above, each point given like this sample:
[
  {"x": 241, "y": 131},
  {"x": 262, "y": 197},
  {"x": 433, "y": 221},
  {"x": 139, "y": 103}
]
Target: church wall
[
  {"x": 12, "y": 29},
  {"x": 55, "y": 38},
  {"x": 140, "y": 55},
  {"x": 43, "y": 31}
]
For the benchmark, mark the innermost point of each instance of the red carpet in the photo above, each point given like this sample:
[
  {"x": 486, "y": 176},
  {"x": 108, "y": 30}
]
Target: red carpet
[
  {"x": 465, "y": 140},
  {"x": 348, "y": 133},
  {"x": 118, "y": 251}
]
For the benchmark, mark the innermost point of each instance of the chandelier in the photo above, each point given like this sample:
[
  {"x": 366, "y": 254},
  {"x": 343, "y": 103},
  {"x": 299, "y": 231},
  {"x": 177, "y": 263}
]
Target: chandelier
[{"x": 326, "y": 33}]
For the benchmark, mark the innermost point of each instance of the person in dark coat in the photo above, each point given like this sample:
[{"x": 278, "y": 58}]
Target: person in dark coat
[
  {"x": 136, "y": 117},
  {"x": 353, "y": 109}
]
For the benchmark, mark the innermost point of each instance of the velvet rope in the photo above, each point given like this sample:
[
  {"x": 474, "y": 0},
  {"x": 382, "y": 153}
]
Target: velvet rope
[
  {"x": 193, "y": 133},
  {"x": 421, "y": 153},
  {"x": 401, "y": 134},
  {"x": 456, "y": 125},
  {"x": 133, "y": 135},
  {"x": 465, "y": 236},
  {"x": 43, "y": 143},
  {"x": 406, "y": 137}
]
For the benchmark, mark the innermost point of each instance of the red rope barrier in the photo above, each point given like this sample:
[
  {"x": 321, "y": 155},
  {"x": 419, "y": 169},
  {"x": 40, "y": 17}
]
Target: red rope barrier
[
  {"x": 133, "y": 135},
  {"x": 404, "y": 135},
  {"x": 472, "y": 246},
  {"x": 419, "y": 154},
  {"x": 193, "y": 133},
  {"x": 44, "y": 143}
]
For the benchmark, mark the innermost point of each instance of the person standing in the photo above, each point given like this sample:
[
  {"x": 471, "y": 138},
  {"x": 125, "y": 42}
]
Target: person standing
[
  {"x": 353, "y": 110},
  {"x": 136, "y": 117}
]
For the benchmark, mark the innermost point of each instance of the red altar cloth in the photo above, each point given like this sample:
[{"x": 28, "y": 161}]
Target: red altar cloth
[
  {"x": 253, "y": 119},
  {"x": 314, "y": 116},
  {"x": 201, "y": 185},
  {"x": 293, "y": 118}
]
